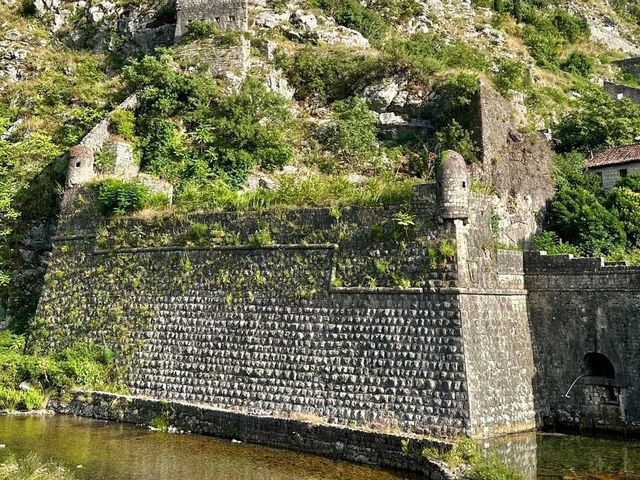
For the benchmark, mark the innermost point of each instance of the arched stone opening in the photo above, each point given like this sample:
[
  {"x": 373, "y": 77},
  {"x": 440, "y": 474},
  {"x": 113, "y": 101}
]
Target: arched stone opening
[
  {"x": 598, "y": 365},
  {"x": 601, "y": 374}
]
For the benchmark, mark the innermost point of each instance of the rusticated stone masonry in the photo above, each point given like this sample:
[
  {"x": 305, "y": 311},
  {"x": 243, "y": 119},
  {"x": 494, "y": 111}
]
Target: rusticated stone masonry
[{"x": 345, "y": 316}]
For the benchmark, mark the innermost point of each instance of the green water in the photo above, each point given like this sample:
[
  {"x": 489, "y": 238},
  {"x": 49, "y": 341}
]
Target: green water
[
  {"x": 110, "y": 451},
  {"x": 552, "y": 456}
]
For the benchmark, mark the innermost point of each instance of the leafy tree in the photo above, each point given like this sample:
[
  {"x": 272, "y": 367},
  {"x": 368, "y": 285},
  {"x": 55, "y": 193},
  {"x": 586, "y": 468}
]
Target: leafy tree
[
  {"x": 624, "y": 202},
  {"x": 570, "y": 171},
  {"x": 251, "y": 129},
  {"x": 577, "y": 217},
  {"x": 598, "y": 122}
]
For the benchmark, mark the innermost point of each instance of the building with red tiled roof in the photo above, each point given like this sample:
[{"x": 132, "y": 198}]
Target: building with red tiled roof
[{"x": 613, "y": 163}]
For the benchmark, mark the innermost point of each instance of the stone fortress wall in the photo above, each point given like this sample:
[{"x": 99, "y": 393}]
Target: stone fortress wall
[
  {"x": 619, "y": 92},
  {"x": 342, "y": 317},
  {"x": 331, "y": 318},
  {"x": 334, "y": 317},
  {"x": 583, "y": 315}
]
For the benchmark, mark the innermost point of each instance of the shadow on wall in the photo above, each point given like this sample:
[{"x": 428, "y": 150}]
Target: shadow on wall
[
  {"x": 39, "y": 204},
  {"x": 582, "y": 318}
]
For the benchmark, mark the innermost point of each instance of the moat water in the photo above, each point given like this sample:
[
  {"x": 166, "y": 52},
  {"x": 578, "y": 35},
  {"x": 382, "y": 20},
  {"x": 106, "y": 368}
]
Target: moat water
[{"x": 109, "y": 451}]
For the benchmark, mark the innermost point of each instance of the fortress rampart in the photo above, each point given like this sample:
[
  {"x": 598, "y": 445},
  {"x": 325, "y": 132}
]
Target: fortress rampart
[
  {"x": 344, "y": 316},
  {"x": 583, "y": 315}
]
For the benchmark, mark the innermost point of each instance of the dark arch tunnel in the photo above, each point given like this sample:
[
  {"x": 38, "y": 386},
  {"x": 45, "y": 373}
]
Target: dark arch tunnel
[{"x": 598, "y": 365}]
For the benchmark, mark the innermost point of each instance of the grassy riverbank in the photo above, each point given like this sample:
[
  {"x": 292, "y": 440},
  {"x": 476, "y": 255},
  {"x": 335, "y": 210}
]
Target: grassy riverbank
[
  {"x": 27, "y": 381},
  {"x": 32, "y": 467}
]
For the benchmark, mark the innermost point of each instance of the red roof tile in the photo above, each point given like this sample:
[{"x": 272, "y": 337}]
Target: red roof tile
[{"x": 615, "y": 156}]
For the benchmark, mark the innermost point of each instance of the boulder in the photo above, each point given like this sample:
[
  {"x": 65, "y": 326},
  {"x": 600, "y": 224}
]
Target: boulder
[
  {"x": 306, "y": 21},
  {"x": 380, "y": 95}
]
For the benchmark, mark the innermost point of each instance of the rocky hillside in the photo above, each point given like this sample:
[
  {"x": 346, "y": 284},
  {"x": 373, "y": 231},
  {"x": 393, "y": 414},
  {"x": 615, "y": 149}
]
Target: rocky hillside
[{"x": 321, "y": 102}]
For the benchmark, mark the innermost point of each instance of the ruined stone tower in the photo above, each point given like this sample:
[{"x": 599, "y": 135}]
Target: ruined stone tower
[{"x": 227, "y": 14}]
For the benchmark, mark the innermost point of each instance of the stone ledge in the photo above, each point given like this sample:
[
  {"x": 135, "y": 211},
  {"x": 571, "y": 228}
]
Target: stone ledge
[{"x": 343, "y": 443}]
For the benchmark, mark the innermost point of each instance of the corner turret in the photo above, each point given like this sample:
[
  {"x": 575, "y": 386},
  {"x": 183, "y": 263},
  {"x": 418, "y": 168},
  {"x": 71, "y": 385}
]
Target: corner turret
[{"x": 453, "y": 187}]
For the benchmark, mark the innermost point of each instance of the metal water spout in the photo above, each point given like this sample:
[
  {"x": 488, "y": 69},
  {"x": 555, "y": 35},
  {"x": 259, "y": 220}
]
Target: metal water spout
[{"x": 573, "y": 384}]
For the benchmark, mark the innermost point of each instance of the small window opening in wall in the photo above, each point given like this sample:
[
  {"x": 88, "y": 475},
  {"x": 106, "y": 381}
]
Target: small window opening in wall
[
  {"x": 612, "y": 396},
  {"x": 598, "y": 365},
  {"x": 623, "y": 172},
  {"x": 217, "y": 19},
  {"x": 78, "y": 164},
  {"x": 464, "y": 184}
]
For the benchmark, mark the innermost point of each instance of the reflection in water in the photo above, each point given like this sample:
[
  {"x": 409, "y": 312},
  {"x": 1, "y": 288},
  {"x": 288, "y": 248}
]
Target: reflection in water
[
  {"x": 568, "y": 456},
  {"x": 517, "y": 450},
  {"x": 110, "y": 451}
]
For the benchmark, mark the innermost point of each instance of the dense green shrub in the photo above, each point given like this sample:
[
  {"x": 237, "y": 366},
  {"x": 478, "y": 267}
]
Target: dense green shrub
[
  {"x": 189, "y": 130},
  {"x": 352, "y": 14},
  {"x": 352, "y": 131},
  {"x": 570, "y": 171},
  {"x": 122, "y": 122},
  {"x": 550, "y": 243},
  {"x": 455, "y": 137},
  {"x": 202, "y": 29},
  {"x": 578, "y": 63},
  {"x": 330, "y": 72},
  {"x": 252, "y": 128},
  {"x": 117, "y": 196},
  {"x": 578, "y": 217},
  {"x": 570, "y": 27},
  {"x": 543, "y": 46},
  {"x": 457, "y": 99},
  {"x": 163, "y": 148},
  {"x": 624, "y": 202},
  {"x": 165, "y": 92},
  {"x": 598, "y": 121},
  {"x": 511, "y": 75}
]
